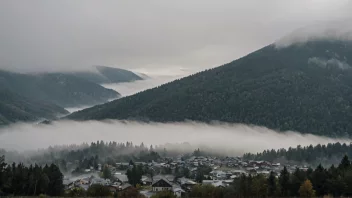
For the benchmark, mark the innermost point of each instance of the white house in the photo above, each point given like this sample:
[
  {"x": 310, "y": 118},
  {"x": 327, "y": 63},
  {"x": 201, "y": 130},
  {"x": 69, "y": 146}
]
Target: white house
[
  {"x": 161, "y": 185},
  {"x": 178, "y": 192}
]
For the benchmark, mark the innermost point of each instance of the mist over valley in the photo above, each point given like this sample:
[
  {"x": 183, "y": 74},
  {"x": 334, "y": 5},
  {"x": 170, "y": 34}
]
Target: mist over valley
[{"x": 183, "y": 99}]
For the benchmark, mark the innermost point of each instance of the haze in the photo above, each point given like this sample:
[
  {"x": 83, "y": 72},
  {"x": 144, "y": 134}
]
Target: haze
[
  {"x": 42, "y": 35},
  {"x": 234, "y": 139}
]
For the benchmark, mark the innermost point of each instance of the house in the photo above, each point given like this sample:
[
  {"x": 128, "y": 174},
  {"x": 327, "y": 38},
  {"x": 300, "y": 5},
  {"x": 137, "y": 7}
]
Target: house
[
  {"x": 121, "y": 178},
  {"x": 218, "y": 175},
  {"x": 239, "y": 172},
  {"x": 215, "y": 183},
  {"x": 178, "y": 192},
  {"x": 146, "y": 181},
  {"x": 113, "y": 188},
  {"x": 125, "y": 187},
  {"x": 186, "y": 184},
  {"x": 100, "y": 181},
  {"x": 161, "y": 185}
]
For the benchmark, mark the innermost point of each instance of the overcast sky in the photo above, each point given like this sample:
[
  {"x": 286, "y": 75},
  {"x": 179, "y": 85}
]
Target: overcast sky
[{"x": 47, "y": 35}]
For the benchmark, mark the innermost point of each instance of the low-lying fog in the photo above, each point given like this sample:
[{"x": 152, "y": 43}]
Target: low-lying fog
[
  {"x": 222, "y": 138},
  {"x": 155, "y": 77},
  {"x": 130, "y": 88}
]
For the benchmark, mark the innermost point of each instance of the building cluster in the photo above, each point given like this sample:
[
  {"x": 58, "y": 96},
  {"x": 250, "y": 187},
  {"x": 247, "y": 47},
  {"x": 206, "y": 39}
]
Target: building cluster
[{"x": 222, "y": 172}]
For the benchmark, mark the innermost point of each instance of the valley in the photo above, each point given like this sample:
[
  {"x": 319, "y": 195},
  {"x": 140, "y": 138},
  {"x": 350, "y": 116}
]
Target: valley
[{"x": 176, "y": 99}]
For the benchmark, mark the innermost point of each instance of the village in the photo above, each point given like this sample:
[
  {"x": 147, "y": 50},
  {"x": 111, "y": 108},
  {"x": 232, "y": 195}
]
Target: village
[{"x": 177, "y": 175}]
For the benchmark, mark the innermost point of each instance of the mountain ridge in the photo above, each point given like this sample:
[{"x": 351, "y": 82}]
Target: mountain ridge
[
  {"x": 14, "y": 107},
  {"x": 61, "y": 89},
  {"x": 106, "y": 75}
]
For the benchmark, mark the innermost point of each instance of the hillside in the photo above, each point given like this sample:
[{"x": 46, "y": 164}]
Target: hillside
[
  {"x": 105, "y": 75},
  {"x": 14, "y": 107},
  {"x": 65, "y": 90},
  {"x": 306, "y": 88}
]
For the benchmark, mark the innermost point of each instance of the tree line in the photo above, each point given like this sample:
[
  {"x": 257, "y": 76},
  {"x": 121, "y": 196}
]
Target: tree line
[
  {"x": 33, "y": 180},
  {"x": 314, "y": 155}
]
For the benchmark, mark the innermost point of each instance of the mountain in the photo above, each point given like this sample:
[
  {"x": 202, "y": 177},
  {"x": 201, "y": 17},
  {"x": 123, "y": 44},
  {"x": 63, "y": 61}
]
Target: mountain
[
  {"x": 14, "y": 107},
  {"x": 65, "y": 90},
  {"x": 105, "y": 75},
  {"x": 305, "y": 88}
]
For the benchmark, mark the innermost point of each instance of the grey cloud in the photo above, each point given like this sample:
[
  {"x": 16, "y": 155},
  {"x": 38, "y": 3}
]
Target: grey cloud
[
  {"x": 332, "y": 30},
  {"x": 72, "y": 35}
]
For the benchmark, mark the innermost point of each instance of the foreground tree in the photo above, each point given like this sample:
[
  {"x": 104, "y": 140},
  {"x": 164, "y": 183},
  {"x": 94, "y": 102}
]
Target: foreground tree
[
  {"x": 272, "y": 184},
  {"x": 306, "y": 189},
  {"x": 259, "y": 186},
  {"x": 97, "y": 190},
  {"x": 19, "y": 180},
  {"x": 106, "y": 172},
  {"x": 164, "y": 194},
  {"x": 284, "y": 182},
  {"x": 76, "y": 192},
  {"x": 130, "y": 193},
  {"x": 134, "y": 175}
]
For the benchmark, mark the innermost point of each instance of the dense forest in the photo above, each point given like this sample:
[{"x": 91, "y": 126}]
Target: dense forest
[
  {"x": 313, "y": 155},
  {"x": 20, "y": 180},
  {"x": 62, "y": 89},
  {"x": 14, "y": 107},
  {"x": 305, "y": 88}
]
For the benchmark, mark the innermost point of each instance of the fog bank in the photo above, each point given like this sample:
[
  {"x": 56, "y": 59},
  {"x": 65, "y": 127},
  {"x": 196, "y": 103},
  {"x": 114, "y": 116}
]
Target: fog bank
[
  {"x": 156, "y": 77},
  {"x": 234, "y": 139},
  {"x": 331, "y": 30},
  {"x": 152, "y": 78}
]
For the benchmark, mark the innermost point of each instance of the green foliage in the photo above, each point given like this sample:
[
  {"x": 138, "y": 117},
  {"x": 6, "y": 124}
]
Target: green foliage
[
  {"x": 19, "y": 180},
  {"x": 134, "y": 175},
  {"x": 284, "y": 182},
  {"x": 130, "y": 193},
  {"x": 201, "y": 171},
  {"x": 14, "y": 107},
  {"x": 278, "y": 88},
  {"x": 97, "y": 190},
  {"x": 319, "y": 154},
  {"x": 164, "y": 194},
  {"x": 259, "y": 186},
  {"x": 107, "y": 173},
  {"x": 209, "y": 191},
  {"x": 272, "y": 184},
  {"x": 42, "y": 196},
  {"x": 76, "y": 192},
  {"x": 320, "y": 182},
  {"x": 65, "y": 90},
  {"x": 306, "y": 189}
]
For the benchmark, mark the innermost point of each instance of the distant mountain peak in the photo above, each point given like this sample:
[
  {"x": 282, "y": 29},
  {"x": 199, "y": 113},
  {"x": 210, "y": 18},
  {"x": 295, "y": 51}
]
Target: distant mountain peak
[{"x": 105, "y": 75}]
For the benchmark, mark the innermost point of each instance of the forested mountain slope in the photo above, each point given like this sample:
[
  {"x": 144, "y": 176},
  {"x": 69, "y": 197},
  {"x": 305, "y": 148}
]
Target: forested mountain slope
[
  {"x": 306, "y": 88},
  {"x": 14, "y": 107},
  {"x": 65, "y": 90},
  {"x": 108, "y": 75}
]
